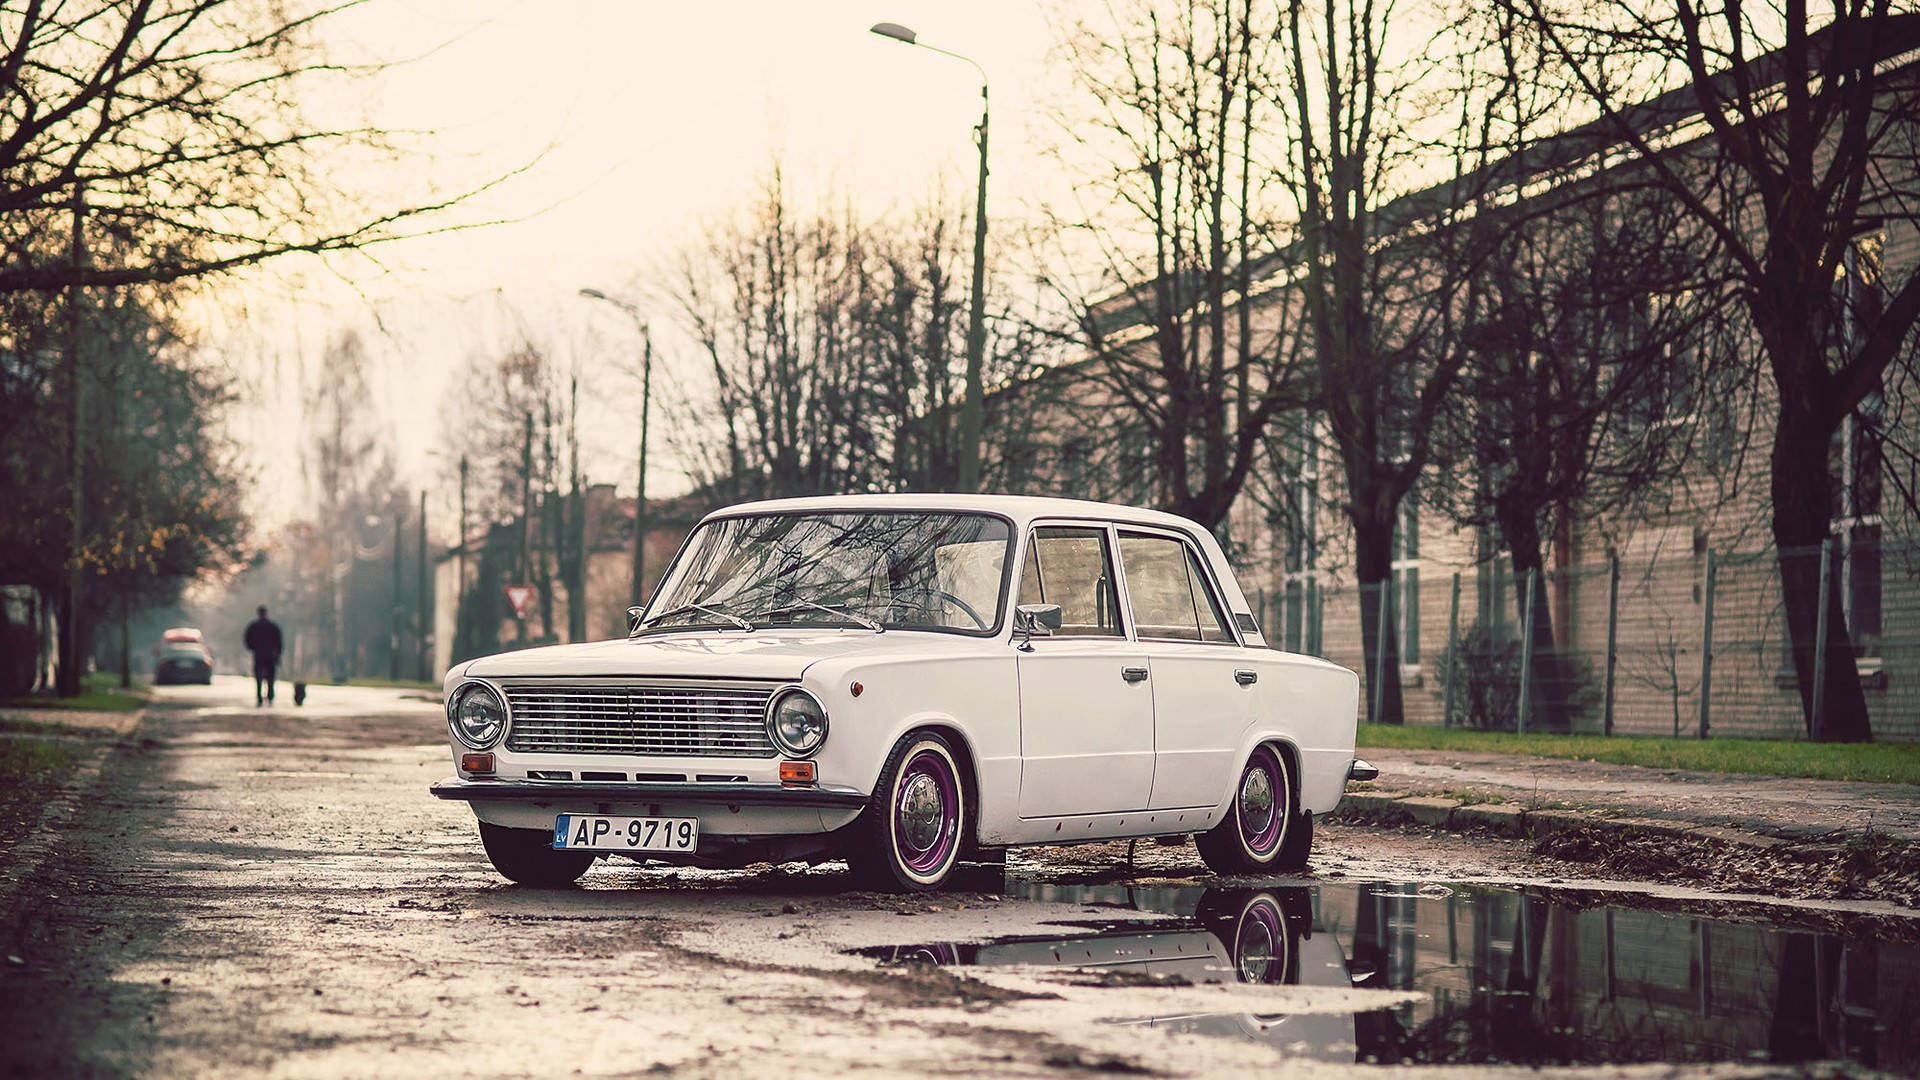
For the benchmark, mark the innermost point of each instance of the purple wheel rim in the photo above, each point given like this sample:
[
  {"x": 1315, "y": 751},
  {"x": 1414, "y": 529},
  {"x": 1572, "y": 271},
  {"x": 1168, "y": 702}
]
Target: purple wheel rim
[
  {"x": 923, "y": 849},
  {"x": 1260, "y": 828},
  {"x": 1257, "y": 949}
]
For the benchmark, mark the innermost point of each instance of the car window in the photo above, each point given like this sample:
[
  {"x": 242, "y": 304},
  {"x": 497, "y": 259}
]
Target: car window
[
  {"x": 1070, "y": 567},
  {"x": 1168, "y": 592},
  {"x": 914, "y": 570}
]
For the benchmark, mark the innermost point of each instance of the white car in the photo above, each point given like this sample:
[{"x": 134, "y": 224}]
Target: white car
[{"x": 905, "y": 681}]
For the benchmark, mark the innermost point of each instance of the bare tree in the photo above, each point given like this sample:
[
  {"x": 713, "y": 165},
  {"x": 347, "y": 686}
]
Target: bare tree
[
  {"x": 179, "y": 121},
  {"x": 833, "y": 357},
  {"x": 1592, "y": 345},
  {"x": 1382, "y": 318},
  {"x": 349, "y": 462},
  {"x": 1156, "y": 264},
  {"x": 1805, "y": 170},
  {"x": 514, "y": 419}
]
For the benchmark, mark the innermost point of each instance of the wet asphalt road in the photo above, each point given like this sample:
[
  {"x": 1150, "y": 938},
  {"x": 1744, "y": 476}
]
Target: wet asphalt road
[{"x": 254, "y": 891}]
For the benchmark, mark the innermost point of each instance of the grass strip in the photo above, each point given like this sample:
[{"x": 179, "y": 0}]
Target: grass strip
[
  {"x": 99, "y": 692},
  {"x": 31, "y": 763},
  {"x": 1883, "y": 763}
]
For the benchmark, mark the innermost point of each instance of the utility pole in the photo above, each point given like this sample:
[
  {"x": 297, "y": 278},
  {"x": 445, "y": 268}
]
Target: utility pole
[
  {"x": 461, "y": 592},
  {"x": 70, "y": 639},
  {"x": 973, "y": 408},
  {"x": 972, "y": 411},
  {"x": 640, "y": 493},
  {"x": 636, "y": 595},
  {"x": 526, "y": 519},
  {"x": 421, "y": 626},
  {"x": 393, "y": 616}
]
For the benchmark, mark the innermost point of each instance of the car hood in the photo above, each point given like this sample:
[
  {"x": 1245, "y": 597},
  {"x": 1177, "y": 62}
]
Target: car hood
[{"x": 763, "y": 654}]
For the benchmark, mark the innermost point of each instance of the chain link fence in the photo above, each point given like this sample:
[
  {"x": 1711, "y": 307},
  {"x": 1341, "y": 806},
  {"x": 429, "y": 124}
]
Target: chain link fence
[{"x": 1695, "y": 645}]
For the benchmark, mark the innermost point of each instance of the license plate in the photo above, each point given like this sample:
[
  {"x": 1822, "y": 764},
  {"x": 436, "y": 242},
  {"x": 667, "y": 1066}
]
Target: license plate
[{"x": 597, "y": 832}]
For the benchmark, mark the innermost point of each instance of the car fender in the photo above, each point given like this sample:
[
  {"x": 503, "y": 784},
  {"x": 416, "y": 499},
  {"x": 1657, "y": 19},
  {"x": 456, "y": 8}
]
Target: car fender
[
  {"x": 1256, "y": 735},
  {"x": 900, "y": 694}
]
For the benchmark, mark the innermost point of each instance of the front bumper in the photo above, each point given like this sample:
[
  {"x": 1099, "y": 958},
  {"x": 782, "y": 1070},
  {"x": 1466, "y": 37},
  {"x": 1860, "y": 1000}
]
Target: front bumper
[{"x": 598, "y": 792}]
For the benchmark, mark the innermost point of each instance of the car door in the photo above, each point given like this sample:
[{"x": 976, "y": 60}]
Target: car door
[
  {"x": 1202, "y": 686},
  {"x": 1086, "y": 703}
]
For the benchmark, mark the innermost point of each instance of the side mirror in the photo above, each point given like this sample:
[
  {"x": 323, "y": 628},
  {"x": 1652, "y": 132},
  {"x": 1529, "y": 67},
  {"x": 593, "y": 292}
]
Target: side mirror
[
  {"x": 1035, "y": 620},
  {"x": 633, "y": 620}
]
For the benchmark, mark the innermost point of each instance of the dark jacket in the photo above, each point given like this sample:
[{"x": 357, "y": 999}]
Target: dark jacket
[{"x": 263, "y": 639}]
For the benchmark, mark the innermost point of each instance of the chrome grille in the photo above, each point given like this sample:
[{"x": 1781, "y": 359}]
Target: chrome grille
[{"x": 651, "y": 721}]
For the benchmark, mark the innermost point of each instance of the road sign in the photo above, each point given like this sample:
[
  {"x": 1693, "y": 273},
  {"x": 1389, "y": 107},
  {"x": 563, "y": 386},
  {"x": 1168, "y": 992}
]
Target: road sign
[{"x": 521, "y": 597}]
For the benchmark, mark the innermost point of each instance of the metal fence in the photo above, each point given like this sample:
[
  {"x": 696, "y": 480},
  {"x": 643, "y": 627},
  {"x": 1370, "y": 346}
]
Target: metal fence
[{"x": 1694, "y": 645}]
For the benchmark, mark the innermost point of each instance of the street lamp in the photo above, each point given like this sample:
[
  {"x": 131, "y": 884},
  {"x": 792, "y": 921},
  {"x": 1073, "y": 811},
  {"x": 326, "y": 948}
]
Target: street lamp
[
  {"x": 970, "y": 409},
  {"x": 646, "y": 397}
]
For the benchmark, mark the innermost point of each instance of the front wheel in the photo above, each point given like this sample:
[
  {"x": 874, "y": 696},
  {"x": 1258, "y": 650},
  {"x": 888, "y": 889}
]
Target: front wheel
[
  {"x": 527, "y": 856},
  {"x": 1264, "y": 830},
  {"x": 910, "y": 834}
]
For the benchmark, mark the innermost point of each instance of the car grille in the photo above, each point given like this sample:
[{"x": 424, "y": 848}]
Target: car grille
[{"x": 653, "y": 720}]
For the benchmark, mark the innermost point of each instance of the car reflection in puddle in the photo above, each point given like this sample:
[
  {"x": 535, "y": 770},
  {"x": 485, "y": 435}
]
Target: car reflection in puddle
[{"x": 1507, "y": 976}]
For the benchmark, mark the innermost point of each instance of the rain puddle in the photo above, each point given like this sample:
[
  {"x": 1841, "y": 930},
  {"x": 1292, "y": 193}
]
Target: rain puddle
[{"x": 1507, "y": 976}]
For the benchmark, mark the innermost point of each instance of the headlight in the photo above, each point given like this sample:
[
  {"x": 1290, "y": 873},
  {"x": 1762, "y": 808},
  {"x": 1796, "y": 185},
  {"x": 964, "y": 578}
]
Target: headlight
[
  {"x": 796, "y": 722},
  {"x": 477, "y": 715}
]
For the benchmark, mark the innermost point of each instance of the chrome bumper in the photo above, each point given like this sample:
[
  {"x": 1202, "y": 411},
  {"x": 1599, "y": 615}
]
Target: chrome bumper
[
  {"x": 589, "y": 791},
  {"x": 1360, "y": 770}
]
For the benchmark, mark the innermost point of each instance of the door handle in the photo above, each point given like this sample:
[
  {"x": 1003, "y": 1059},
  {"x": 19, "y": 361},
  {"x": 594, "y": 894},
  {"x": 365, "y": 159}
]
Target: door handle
[
  {"x": 1134, "y": 674},
  {"x": 1245, "y": 677}
]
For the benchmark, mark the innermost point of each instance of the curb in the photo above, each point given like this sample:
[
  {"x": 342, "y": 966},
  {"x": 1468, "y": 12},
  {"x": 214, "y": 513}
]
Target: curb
[
  {"x": 31, "y": 853},
  {"x": 1508, "y": 819}
]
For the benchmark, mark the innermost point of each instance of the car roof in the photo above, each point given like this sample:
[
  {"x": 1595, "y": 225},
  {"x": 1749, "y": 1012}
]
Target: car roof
[
  {"x": 1021, "y": 508},
  {"x": 180, "y": 633}
]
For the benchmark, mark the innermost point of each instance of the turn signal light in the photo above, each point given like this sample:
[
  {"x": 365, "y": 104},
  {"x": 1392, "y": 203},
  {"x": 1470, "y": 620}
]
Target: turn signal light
[
  {"x": 476, "y": 763},
  {"x": 796, "y": 772}
]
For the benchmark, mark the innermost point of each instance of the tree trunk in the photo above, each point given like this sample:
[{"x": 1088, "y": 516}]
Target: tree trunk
[
  {"x": 1373, "y": 557},
  {"x": 1550, "y": 683},
  {"x": 126, "y": 652},
  {"x": 67, "y": 679},
  {"x": 1802, "y": 505}
]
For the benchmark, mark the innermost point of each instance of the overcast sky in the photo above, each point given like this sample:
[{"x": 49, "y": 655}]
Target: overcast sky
[{"x": 637, "y": 122}]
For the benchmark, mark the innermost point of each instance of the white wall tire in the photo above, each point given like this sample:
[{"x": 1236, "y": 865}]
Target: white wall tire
[
  {"x": 1263, "y": 829},
  {"x": 916, "y": 823}
]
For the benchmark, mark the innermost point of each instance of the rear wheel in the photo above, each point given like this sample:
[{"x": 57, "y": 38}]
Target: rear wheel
[
  {"x": 527, "y": 856},
  {"x": 910, "y": 835},
  {"x": 1264, "y": 829}
]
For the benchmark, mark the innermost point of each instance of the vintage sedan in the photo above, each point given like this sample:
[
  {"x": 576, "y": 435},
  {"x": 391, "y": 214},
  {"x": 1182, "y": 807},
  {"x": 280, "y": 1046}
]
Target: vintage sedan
[{"x": 907, "y": 681}]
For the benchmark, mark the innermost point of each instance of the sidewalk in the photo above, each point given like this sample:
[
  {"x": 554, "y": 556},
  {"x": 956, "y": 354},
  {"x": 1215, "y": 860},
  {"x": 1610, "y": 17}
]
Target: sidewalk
[
  {"x": 48, "y": 807},
  {"x": 1519, "y": 795}
]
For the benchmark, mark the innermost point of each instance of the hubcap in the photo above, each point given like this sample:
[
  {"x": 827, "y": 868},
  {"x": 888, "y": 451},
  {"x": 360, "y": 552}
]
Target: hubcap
[
  {"x": 1259, "y": 951},
  {"x": 1256, "y": 954},
  {"x": 1256, "y": 795},
  {"x": 921, "y": 812}
]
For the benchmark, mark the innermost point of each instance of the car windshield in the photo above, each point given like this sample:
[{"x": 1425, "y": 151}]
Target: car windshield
[{"x": 895, "y": 570}]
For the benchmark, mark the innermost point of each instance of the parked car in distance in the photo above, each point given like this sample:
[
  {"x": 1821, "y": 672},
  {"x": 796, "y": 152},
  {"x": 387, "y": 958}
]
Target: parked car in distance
[
  {"x": 903, "y": 681},
  {"x": 179, "y": 659}
]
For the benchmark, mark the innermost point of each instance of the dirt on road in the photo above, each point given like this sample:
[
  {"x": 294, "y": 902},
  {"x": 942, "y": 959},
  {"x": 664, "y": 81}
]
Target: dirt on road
[{"x": 249, "y": 891}]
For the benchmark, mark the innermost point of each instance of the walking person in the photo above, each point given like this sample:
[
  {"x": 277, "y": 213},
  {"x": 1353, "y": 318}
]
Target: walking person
[{"x": 263, "y": 641}]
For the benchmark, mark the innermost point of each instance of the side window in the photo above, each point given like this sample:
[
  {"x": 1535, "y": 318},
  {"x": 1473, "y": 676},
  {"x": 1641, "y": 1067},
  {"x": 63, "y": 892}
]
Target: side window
[
  {"x": 1070, "y": 567},
  {"x": 1169, "y": 592}
]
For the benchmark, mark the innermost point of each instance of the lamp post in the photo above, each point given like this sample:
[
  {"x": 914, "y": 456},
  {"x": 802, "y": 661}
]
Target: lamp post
[
  {"x": 646, "y": 398},
  {"x": 971, "y": 408}
]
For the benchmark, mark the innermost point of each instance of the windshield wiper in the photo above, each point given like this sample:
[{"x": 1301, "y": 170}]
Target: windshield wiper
[
  {"x": 704, "y": 610},
  {"x": 800, "y": 604}
]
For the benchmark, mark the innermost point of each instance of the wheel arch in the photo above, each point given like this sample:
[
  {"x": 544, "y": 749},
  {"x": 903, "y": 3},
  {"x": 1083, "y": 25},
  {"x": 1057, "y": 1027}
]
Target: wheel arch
[
  {"x": 1283, "y": 744},
  {"x": 965, "y": 755}
]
